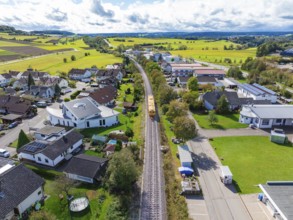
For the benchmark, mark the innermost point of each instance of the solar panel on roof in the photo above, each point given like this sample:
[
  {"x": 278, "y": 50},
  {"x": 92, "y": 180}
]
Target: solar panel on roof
[
  {"x": 264, "y": 89},
  {"x": 249, "y": 89}
]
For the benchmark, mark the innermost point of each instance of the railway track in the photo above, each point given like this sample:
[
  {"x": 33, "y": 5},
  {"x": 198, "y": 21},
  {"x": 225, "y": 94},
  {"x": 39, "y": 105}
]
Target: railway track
[{"x": 153, "y": 199}]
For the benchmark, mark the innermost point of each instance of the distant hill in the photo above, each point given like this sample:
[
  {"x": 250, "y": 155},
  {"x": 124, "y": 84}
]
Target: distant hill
[
  {"x": 12, "y": 30},
  {"x": 57, "y": 32}
]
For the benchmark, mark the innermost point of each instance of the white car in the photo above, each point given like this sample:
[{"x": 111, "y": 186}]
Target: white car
[{"x": 4, "y": 153}]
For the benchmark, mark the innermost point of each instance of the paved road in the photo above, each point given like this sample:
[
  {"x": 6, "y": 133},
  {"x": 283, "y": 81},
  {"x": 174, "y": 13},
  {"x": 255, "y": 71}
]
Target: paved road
[
  {"x": 222, "y": 202},
  {"x": 153, "y": 199}
]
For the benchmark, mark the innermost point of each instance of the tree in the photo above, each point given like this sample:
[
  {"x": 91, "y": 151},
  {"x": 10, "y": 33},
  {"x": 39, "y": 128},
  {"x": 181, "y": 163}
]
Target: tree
[
  {"x": 126, "y": 60},
  {"x": 129, "y": 132},
  {"x": 63, "y": 75},
  {"x": 118, "y": 146},
  {"x": 222, "y": 105},
  {"x": 64, "y": 185},
  {"x": 57, "y": 90},
  {"x": 73, "y": 58},
  {"x": 192, "y": 84},
  {"x": 190, "y": 98},
  {"x": 167, "y": 94},
  {"x": 235, "y": 72},
  {"x": 65, "y": 60},
  {"x": 22, "y": 139},
  {"x": 121, "y": 48},
  {"x": 212, "y": 117},
  {"x": 30, "y": 81},
  {"x": 122, "y": 172},
  {"x": 184, "y": 128},
  {"x": 176, "y": 109}
]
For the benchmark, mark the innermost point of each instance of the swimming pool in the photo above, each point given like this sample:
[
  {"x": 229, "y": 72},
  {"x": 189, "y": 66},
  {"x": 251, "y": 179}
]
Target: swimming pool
[{"x": 113, "y": 142}]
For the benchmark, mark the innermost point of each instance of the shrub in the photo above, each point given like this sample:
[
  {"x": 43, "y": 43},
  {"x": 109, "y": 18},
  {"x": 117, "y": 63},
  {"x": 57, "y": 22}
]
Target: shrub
[{"x": 66, "y": 99}]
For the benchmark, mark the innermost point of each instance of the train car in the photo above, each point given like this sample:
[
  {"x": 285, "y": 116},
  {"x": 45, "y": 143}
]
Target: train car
[{"x": 151, "y": 106}]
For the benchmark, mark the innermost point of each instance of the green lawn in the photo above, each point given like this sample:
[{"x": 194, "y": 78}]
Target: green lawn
[
  {"x": 121, "y": 93},
  {"x": 98, "y": 208},
  {"x": 93, "y": 153},
  {"x": 254, "y": 160},
  {"x": 224, "y": 121}
]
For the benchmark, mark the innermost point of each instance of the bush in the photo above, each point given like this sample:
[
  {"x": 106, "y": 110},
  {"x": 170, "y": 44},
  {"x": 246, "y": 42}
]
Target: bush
[
  {"x": 72, "y": 84},
  {"x": 75, "y": 94},
  {"x": 66, "y": 99},
  {"x": 73, "y": 58},
  {"x": 129, "y": 132}
]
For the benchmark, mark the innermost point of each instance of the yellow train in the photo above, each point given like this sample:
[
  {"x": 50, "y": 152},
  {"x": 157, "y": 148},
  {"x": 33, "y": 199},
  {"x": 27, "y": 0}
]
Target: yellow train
[{"x": 151, "y": 106}]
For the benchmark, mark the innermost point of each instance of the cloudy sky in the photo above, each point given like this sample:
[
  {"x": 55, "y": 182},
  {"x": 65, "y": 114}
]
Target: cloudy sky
[{"x": 113, "y": 16}]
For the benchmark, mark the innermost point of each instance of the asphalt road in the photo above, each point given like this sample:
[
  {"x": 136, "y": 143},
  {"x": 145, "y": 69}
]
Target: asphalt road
[{"x": 153, "y": 199}]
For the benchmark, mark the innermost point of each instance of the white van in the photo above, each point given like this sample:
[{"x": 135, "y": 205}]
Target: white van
[{"x": 4, "y": 153}]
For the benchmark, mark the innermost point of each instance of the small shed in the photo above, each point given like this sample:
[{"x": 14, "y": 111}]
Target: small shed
[
  {"x": 185, "y": 156},
  {"x": 128, "y": 106},
  {"x": 8, "y": 119},
  {"x": 278, "y": 136}
]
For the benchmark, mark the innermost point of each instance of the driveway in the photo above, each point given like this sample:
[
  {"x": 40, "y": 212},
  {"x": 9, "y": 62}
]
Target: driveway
[{"x": 222, "y": 202}]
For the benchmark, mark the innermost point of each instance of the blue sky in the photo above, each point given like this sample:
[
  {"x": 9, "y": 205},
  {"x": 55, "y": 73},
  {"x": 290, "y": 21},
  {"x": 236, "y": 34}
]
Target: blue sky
[{"x": 111, "y": 16}]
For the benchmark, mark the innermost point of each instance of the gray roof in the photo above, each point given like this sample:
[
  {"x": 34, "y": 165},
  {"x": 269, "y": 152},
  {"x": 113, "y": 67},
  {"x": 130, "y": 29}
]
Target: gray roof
[
  {"x": 256, "y": 89},
  {"x": 5, "y": 161},
  {"x": 82, "y": 108},
  {"x": 85, "y": 165},
  {"x": 281, "y": 193},
  {"x": 48, "y": 130},
  {"x": 272, "y": 111},
  {"x": 52, "y": 149},
  {"x": 184, "y": 154},
  {"x": 17, "y": 184},
  {"x": 206, "y": 79}
]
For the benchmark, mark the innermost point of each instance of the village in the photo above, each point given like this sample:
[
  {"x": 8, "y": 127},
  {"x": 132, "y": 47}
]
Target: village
[{"x": 74, "y": 123}]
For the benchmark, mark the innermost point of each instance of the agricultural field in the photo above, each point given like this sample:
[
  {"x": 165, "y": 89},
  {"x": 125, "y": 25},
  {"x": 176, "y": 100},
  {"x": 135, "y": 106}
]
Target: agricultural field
[
  {"x": 53, "y": 63},
  {"x": 254, "y": 160},
  {"x": 209, "y": 51}
]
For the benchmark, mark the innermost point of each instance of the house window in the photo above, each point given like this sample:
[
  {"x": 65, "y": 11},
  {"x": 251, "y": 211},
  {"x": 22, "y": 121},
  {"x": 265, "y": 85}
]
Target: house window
[
  {"x": 256, "y": 120},
  {"x": 46, "y": 160},
  {"x": 100, "y": 122},
  {"x": 104, "y": 121},
  {"x": 39, "y": 159},
  {"x": 265, "y": 122},
  {"x": 279, "y": 121}
]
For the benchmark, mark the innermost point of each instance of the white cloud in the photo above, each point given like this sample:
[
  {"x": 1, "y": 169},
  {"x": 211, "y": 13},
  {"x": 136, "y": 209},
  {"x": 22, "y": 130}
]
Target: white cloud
[{"x": 96, "y": 16}]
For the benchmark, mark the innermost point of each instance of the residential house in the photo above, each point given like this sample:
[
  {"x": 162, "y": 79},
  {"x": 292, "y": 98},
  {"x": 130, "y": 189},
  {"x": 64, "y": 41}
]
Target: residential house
[
  {"x": 21, "y": 84},
  {"x": 86, "y": 168},
  {"x": 182, "y": 80},
  {"x": 210, "y": 100},
  {"x": 52, "y": 81},
  {"x": 166, "y": 67},
  {"x": 105, "y": 96},
  {"x": 48, "y": 132},
  {"x": 10, "y": 91},
  {"x": 185, "y": 69},
  {"x": 185, "y": 156},
  {"x": 267, "y": 116},
  {"x": 109, "y": 73},
  {"x": 35, "y": 74},
  {"x": 278, "y": 197},
  {"x": 115, "y": 66},
  {"x": 230, "y": 83},
  {"x": 83, "y": 113},
  {"x": 80, "y": 74},
  {"x": 51, "y": 152},
  {"x": 16, "y": 105},
  {"x": 15, "y": 74},
  {"x": 20, "y": 188},
  {"x": 204, "y": 80},
  {"x": 109, "y": 149},
  {"x": 5, "y": 79},
  {"x": 108, "y": 81},
  {"x": 93, "y": 70},
  {"x": 171, "y": 59},
  {"x": 42, "y": 91},
  {"x": 219, "y": 74},
  {"x": 257, "y": 92}
]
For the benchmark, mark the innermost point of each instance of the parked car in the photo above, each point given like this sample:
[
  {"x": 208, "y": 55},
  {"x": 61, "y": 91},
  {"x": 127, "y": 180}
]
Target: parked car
[
  {"x": 252, "y": 126},
  {"x": 64, "y": 91},
  {"x": 13, "y": 124},
  {"x": 4, "y": 153},
  {"x": 42, "y": 104}
]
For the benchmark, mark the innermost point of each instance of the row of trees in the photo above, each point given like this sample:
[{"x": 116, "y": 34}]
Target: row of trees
[
  {"x": 267, "y": 48},
  {"x": 175, "y": 110}
]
